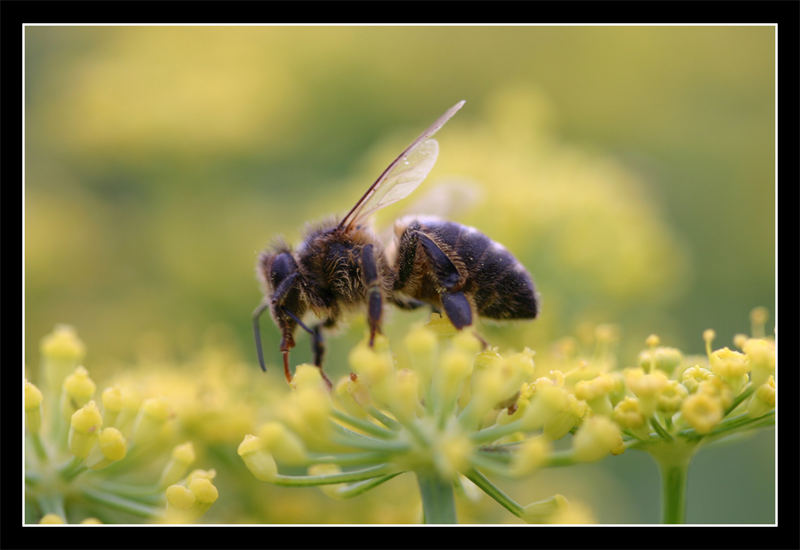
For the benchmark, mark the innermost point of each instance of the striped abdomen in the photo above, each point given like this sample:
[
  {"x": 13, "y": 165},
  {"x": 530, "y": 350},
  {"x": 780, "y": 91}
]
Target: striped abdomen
[{"x": 465, "y": 260}]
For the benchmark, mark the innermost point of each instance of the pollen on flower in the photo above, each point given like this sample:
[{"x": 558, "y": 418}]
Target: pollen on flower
[
  {"x": 646, "y": 387},
  {"x": 204, "y": 491},
  {"x": 702, "y": 411}
]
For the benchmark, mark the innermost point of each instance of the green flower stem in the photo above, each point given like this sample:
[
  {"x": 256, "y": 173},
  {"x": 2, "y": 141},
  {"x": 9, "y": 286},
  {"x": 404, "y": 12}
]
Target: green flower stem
[
  {"x": 349, "y": 459},
  {"x": 745, "y": 393},
  {"x": 355, "y": 489},
  {"x": 363, "y": 425},
  {"x": 51, "y": 504},
  {"x": 384, "y": 419},
  {"x": 664, "y": 434},
  {"x": 149, "y": 494},
  {"x": 730, "y": 424},
  {"x": 119, "y": 503},
  {"x": 331, "y": 479},
  {"x": 493, "y": 491},
  {"x": 38, "y": 446},
  {"x": 493, "y": 433},
  {"x": 359, "y": 441},
  {"x": 492, "y": 462},
  {"x": 438, "y": 500},
  {"x": 673, "y": 491},
  {"x": 72, "y": 468}
]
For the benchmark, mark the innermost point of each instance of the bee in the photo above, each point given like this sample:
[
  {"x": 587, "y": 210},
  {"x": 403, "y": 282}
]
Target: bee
[{"x": 342, "y": 265}]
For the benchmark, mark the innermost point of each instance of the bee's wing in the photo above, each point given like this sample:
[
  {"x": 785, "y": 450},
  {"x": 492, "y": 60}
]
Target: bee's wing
[{"x": 403, "y": 175}]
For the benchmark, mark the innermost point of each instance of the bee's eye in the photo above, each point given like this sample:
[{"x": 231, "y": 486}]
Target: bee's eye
[{"x": 282, "y": 266}]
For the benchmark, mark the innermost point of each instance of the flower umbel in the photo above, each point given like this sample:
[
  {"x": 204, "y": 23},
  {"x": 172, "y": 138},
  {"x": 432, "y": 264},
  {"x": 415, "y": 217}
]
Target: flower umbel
[{"x": 91, "y": 460}]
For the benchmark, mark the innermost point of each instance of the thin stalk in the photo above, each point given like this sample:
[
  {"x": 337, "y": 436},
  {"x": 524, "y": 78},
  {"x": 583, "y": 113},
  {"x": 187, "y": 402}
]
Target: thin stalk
[
  {"x": 746, "y": 392},
  {"x": 495, "y": 432},
  {"x": 332, "y": 479},
  {"x": 355, "y": 489},
  {"x": 438, "y": 500},
  {"x": 119, "y": 503},
  {"x": 493, "y": 491},
  {"x": 364, "y": 425},
  {"x": 38, "y": 446},
  {"x": 349, "y": 459}
]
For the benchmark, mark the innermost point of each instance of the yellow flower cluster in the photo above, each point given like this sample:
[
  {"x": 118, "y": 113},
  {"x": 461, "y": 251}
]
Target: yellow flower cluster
[
  {"x": 89, "y": 444},
  {"x": 445, "y": 408}
]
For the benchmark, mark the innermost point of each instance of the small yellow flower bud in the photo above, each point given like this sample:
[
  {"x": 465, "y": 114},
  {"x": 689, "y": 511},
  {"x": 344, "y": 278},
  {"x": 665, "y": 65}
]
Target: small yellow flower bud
[
  {"x": 153, "y": 413},
  {"x": 204, "y": 491},
  {"x": 85, "y": 424},
  {"x": 284, "y": 445},
  {"x": 761, "y": 354},
  {"x": 257, "y": 459},
  {"x": 467, "y": 341},
  {"x": 79, "y": 387},
  {"x": 52, "y": 519},
  {"x": 112, "y": 404},
  {"x": 708, "y": 335},
  {"x": 372, "y": 366},
  {"x": 628, "y": 414},
  {"x": 532, "y": 454},
  {"x": 693, "y": 376},
  {"x": 33, "y": 408},
  {"x": 421, "y": 341},
  {"x": 646, "y": 387},
  {"x": 597, "y": 437},
  {"x": 702, "y": 411},
  {"x": 91, "y": 521},
  {"x": 763, "y": 399},
  {"x": 671, "y": 396},
  {"x": 180, "y": 497},
  {"x": 661, "y": 358},
  {"x": 182, "y": 457},
  {"x": 404, "y": 399},
  {"x": 307, "y": 375},
  {"x": 112, "y": 444},
  {"x": 62, "y": 350},
  {"x": 595, "y": 392},
  {"x": 652, "y": 341},
  {"x": 352, "y": 395},
  {"x": 728, "y": 364}
]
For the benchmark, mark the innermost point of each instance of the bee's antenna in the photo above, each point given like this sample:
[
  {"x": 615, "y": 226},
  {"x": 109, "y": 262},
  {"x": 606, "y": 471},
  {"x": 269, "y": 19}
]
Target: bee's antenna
[{"x": 257, "y": 333}]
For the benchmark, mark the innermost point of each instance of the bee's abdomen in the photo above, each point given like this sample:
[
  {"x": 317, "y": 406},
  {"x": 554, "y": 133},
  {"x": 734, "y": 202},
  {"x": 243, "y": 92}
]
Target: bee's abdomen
[{"x": 499, "y": 284}]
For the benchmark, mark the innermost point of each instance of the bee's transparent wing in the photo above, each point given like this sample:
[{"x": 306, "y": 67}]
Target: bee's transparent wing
[{"x": 403, "y": 175}]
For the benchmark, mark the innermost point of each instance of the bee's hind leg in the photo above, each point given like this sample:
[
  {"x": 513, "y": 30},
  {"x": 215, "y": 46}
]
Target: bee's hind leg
[{"x": 318, "y": 347}]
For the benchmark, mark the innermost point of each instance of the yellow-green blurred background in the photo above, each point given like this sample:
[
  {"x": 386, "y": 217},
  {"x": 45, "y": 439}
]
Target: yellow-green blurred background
[{"x": 631, "y": 169}]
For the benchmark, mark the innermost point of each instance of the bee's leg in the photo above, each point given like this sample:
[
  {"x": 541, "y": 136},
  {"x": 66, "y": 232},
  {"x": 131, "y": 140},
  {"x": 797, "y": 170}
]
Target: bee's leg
[
  {"x": 318, "y": 347},
  {"x": 455, "y": 303},
  {"x": 369, "y": 269},
  {"x": 457, "y": 308},
  {"x": 406, "y": 303}
]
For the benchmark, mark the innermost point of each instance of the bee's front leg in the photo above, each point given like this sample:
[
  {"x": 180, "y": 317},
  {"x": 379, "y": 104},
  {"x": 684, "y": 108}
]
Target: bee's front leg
[{"x": 369, "y": 269}]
